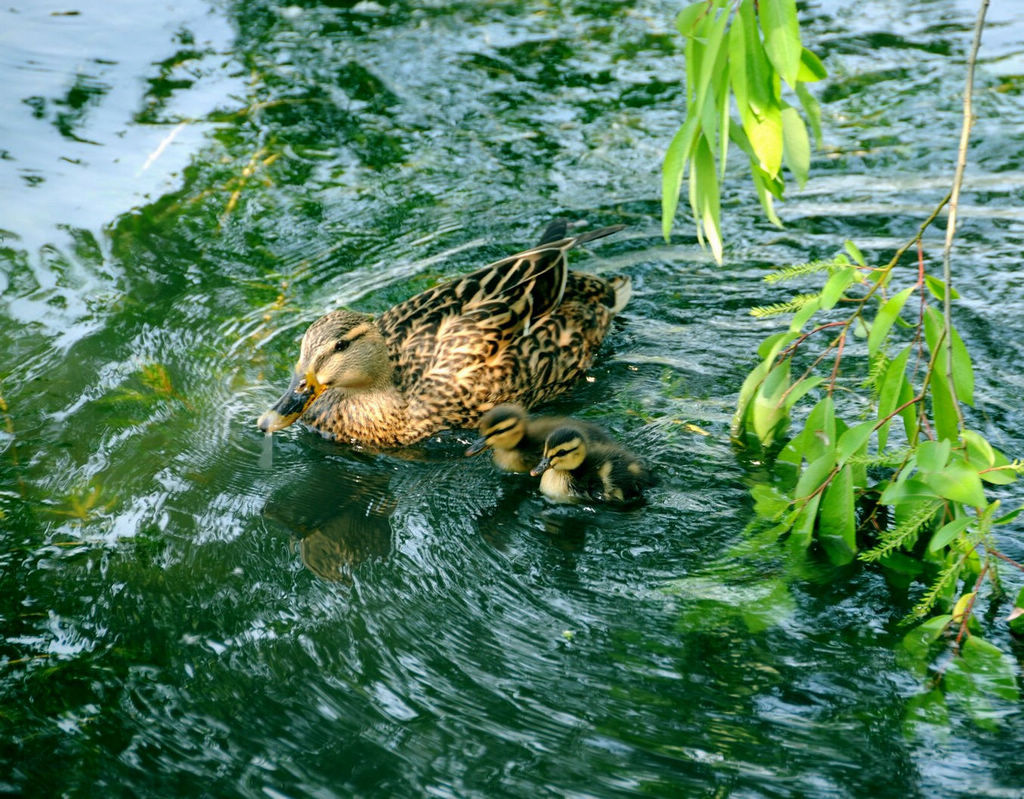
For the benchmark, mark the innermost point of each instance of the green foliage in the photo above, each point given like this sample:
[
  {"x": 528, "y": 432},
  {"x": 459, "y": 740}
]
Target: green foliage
[
  {"x": 740, "y": 55},
  {"x": 922, "y": 512}
]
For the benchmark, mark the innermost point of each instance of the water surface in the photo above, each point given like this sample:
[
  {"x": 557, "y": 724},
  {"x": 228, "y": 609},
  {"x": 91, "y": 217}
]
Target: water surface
[{"x": 186, "y": 187}]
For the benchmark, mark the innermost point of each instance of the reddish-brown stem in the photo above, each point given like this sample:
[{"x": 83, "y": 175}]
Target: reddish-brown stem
[
  {"x": 968, "y": 609},
  {"x": 1001, "y": 556},
  {"x": 792, "y": 347},
  {"x": 835, "y": 366}
]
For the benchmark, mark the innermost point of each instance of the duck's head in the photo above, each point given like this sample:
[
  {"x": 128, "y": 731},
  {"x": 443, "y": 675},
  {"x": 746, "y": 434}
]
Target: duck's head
[
  {"x": 343, "y": 350},
  {"x": 502, "y": 427},
  {"x": 564, "y": 450}
]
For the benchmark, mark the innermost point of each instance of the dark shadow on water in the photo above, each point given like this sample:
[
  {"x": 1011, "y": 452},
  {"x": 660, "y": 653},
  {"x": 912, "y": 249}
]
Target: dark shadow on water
[{"x": 337, "y": 512}]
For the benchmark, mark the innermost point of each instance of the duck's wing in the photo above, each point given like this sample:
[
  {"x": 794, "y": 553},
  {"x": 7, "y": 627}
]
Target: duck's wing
[{"x": 518, "y": 290}]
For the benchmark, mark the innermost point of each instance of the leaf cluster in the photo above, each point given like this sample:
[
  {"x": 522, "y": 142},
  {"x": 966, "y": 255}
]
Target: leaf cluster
[
  {"x": 740, "y": 55},
  {"x": 921, "y": 512}
]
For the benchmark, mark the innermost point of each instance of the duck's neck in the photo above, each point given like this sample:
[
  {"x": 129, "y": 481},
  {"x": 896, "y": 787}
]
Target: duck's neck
[
  {"x": 378, "y": 416},
  {"x": 558, "y": 485}
]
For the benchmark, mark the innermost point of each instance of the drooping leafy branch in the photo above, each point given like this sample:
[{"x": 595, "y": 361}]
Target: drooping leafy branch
[
  {"x": 904, "y": 485},
  {"x": 740, "y": 55}
]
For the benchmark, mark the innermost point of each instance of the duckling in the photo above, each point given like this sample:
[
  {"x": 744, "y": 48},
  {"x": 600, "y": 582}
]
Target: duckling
[
  {"x": 522, "y": 329},
  {"x": 517, "y": 439},
  {"x": 574, "y": 468}
]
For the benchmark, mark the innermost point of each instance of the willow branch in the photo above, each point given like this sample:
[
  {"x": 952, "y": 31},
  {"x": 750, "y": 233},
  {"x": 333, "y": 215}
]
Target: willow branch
[{"x": 954, "y": 201}]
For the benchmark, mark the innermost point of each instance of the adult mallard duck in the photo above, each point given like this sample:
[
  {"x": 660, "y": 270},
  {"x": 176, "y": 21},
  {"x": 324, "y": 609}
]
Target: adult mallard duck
[
  {"x": 574, "y": 468},
  {"x": 517, "y": 439},
  {"x": 522, "y": 329}
]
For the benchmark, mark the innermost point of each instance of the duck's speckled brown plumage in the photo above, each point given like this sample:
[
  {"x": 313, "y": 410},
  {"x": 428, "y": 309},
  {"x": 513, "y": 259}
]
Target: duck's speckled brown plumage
[{"x": 522, "y": 330}]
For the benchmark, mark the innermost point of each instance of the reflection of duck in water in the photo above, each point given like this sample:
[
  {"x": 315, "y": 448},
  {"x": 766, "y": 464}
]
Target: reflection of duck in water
[
  {"x": 575, "y": 468},
  {"x": 517, "y": 439},
  {"x": 338, "y": 518},
  {"x": 522, "y": 329},
  {"x": 358, "y": 533}
]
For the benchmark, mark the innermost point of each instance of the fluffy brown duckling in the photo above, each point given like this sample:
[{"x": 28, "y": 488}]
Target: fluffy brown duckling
[
  {"x": 574, "y": 468},
  {"x": 517, "y": 439}
]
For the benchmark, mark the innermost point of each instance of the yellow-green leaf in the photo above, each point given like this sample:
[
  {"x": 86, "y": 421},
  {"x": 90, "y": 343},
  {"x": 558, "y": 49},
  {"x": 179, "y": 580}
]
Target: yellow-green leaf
[
  {"x": 947, "y": 533},
  {"x": 885, "y": 318},
  {"x": 811, "y": 68},
  {"x": 796, "y": 146},
  {"x": 959, "y": 483},
  {"x": 813, "y": 111},
  {"x": 782, "y": 37}
]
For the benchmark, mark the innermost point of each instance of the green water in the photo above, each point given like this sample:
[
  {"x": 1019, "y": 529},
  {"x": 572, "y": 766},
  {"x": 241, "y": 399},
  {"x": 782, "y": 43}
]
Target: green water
[{"x": 185, "y": 187}]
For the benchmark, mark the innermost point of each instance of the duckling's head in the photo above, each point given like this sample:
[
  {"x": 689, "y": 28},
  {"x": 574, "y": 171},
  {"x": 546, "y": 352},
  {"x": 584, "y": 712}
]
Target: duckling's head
[
  {"x": 341, "y": 349},
  {"x": 502, "y": 427},
  {"x": 564, "y": 450}
]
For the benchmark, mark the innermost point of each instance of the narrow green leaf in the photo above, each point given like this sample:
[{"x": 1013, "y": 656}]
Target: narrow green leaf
[
  {"x": 806, "y": 312},
  {"x": 819, "y": 433},
  {"x": 855, "y": 253},
  {"x": 722, "y": 101},
  {"x": 813, "y": 111},
  {"x": 773, "y": 344},
  {"x": 765, "y": 133},
  {"x": 747, "y": 392},
  {"x": 889, "y": 393},
  {"x": 999, "y": 476},
  {"x": 884, "y": 319},
  {"x": 938, "y": 288},
  {"x": 672, "y": 172},
  {"x": 706, "y": 179},
  {"x": 932, "y": 456},
  {"x": 811, "y": 68},
  {"x": 948, "y": 532},
  {"x": 796, "y": 146},
  {"x": 814, "y": 475},
  {"x": 957, "y": 482},
  {"x": 947, "y": 423},
  {"x": 766, "y": 409},
  {"x": 911, "y": 424},
  {"x": 802, "y": 532},
  {"x": 853, "y": 441},
  {"x": 739, "y": 72},
  {"x": 1009, "y": 517},
  {"x": 837, "y": 519},
  {"x": 782, "y": 37},
  {"x": 800, "y": 389},
  {"x": 963, "y": 372},
  {"x": 978, "y": 448},
  {"x": 764, "y": 194},
  {"x": 910, "y": 490},
  {"x": 761, "y": 76},
  {"x": 687, "y": 18},
  {"x": 837, "y": 283}
]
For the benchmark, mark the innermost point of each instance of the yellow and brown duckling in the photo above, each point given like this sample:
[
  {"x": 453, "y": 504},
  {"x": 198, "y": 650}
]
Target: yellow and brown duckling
[
  {"x": 517, "y": 439},
  {"x": 522, "y": 329},
  {"x": 574, "y": 468}
]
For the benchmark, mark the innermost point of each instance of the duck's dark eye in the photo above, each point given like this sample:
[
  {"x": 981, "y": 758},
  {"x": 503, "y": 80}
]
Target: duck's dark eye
[{"x": 341, "y": 345}]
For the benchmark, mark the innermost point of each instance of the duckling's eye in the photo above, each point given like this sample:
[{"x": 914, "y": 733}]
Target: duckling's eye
[{"x": 341, "y": 345}]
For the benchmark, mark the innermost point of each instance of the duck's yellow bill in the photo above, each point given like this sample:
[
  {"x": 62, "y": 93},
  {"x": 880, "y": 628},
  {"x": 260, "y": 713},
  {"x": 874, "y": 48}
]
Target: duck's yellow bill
[{"x": 291, "y": 406}]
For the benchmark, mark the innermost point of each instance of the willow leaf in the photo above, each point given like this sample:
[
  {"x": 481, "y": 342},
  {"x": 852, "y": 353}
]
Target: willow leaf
[
  {"x": 885, "y": 318},
  {"x": 782, "y": 37},
  {"x": 796, "y": 146}
]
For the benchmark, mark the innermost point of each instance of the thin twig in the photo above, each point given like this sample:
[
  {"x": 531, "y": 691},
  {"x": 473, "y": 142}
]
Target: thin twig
[{"x": 954, "y": 202}]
